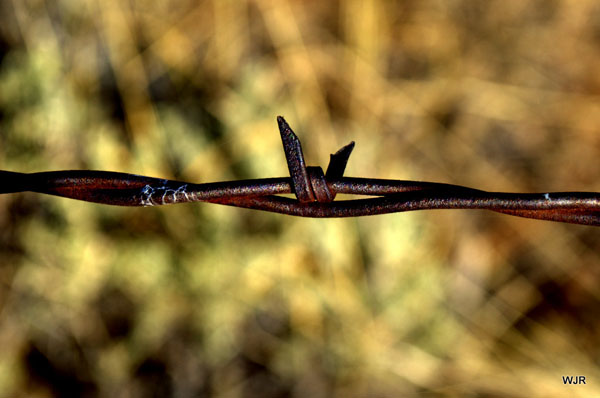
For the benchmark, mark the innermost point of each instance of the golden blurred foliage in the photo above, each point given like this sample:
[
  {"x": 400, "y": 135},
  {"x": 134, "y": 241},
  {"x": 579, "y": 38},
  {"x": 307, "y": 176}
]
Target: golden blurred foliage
[{"x": 201, "y": 300}]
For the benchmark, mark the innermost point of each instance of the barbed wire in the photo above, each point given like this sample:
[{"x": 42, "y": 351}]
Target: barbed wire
[{"x": 315, "y": 191}]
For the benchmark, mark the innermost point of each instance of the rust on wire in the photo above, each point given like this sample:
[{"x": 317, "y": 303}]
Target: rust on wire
[{"x": 315, "y": 191}]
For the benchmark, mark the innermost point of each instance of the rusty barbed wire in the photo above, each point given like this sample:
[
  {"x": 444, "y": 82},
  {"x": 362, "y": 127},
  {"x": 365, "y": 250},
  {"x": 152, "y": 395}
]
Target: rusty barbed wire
[{"x": 315, "y": 191}]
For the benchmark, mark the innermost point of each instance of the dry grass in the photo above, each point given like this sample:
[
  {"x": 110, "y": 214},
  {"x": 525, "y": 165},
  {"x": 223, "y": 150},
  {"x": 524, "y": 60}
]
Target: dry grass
[{"x": 201, "y": 300}]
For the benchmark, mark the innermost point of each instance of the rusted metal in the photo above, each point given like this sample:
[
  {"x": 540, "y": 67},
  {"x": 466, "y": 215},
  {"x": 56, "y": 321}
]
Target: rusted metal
[{"x": 314, "y": 190}]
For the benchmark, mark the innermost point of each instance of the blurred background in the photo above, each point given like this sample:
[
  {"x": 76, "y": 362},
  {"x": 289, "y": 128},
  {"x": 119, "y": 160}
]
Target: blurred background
[{"x": 196, "y": 300}]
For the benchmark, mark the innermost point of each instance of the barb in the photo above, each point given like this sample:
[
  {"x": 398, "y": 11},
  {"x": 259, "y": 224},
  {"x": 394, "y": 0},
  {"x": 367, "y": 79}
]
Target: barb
[{"x": 315, "y": 191}]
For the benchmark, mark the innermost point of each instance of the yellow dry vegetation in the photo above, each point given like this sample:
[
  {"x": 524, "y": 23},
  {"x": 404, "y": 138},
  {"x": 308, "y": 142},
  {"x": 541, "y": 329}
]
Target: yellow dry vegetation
[{"x": 197, "y": 300}]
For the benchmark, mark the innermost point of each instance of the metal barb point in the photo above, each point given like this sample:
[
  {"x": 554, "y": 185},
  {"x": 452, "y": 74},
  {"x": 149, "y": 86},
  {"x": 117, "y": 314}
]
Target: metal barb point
[
  {"x": 295, "y": 161},
  {"x": 338, "y": 161}
]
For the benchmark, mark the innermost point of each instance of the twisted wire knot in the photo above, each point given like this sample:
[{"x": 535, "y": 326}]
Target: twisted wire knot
[
  {"x": 321, "y": 191},
  {"x": 310, "y": 183}
]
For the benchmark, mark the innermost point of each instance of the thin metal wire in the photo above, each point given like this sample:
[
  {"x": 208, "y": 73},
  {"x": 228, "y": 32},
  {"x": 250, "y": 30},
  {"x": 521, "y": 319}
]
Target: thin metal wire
[{"x": 314, "y": 190}]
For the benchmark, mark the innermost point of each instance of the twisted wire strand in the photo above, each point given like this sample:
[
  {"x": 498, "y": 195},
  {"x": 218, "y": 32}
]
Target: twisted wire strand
[
  {"x": 314, "y": 190},
  {"x": 391, "y": 195}
]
